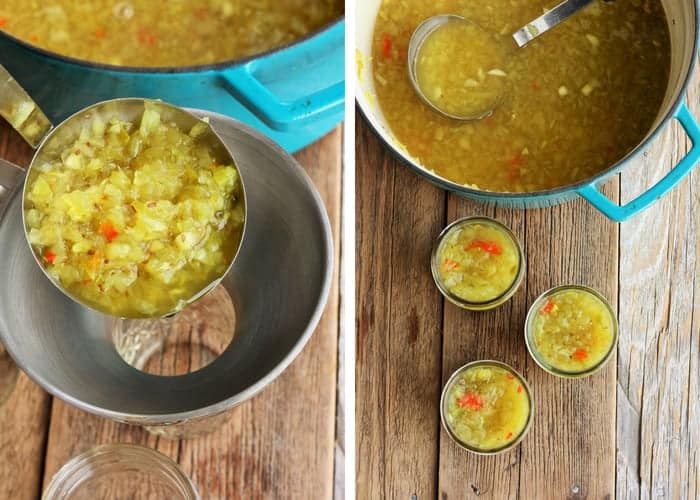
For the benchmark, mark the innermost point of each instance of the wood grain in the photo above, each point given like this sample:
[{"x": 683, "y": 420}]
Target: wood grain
[
  {"x": 659, "y": 379},
  {"x": 278, "y": 445},
  {"x": 630, "y": 436},
  {"x": 24, "y": 416},
  {"x": 399, "y": 327}
]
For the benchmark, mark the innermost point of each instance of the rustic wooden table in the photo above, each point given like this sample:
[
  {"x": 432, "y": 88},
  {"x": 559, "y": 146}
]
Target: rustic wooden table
[
  {"x": 631, "y": 431},
  {"x": 281, "y": 444}
]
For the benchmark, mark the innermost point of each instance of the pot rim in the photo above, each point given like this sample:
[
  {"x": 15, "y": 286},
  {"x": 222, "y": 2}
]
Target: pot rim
[
  {"x": 264, "y": 380},
  {"x": 559, "y": 192},
  {"x": 169, "y": 69}
]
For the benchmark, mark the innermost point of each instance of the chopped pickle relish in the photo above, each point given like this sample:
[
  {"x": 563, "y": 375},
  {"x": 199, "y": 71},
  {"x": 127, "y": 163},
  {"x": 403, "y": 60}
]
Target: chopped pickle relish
[
  {"x": 134, "y": 219},
  {"x": 164, "y": 34},
  {"x": 571, "y": 330},
  {"x": 486, "y": 406},
  {"x": 477, "y": 261}
]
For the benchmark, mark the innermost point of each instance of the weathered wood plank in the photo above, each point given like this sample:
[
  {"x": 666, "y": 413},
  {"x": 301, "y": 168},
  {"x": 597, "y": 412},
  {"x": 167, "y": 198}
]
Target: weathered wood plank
[
  {"x": 567, "y": 244},
  {"x": 659, "y": 377},
  {"x": 281, "y": 443},
  {"x": 399, "y": 326},
  {"x": 469, "y": 336},
  {"x": 571, "y": 450},
  {"x": 24, "y": 415}
]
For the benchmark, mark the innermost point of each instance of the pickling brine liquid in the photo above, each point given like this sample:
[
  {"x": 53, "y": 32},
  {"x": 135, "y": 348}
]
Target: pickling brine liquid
[{"x": 575, "y": 100}]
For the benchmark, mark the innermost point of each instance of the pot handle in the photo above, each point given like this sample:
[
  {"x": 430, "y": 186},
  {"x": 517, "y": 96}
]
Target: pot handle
[
  {"x": 620, "y": 213},
  {"x": 10, "y": 176},
  {"x": 268, "y": 86}
]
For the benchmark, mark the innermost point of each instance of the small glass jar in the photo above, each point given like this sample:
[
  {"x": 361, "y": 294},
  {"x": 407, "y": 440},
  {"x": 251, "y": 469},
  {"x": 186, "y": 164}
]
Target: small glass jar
[
  {"x": 117, "y": 471},
  {"x": 573, "y": 348},
  {"x": 8, "y": 375},
  {"x": 507, "y": 251},
  {"x": 520, "y": 387}
]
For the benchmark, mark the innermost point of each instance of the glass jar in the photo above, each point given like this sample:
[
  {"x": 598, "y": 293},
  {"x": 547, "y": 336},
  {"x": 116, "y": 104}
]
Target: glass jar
[
  {"x": 587, "y": 341},
  {"x": 490, "y": 268},
  {"x": 117, "y": 471},
  {"x": 510, "y": 386}
]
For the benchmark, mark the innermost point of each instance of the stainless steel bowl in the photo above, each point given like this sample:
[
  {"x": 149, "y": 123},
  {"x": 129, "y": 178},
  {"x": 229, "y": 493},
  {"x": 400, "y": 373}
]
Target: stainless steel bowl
[{"x": 279, "y": 285}]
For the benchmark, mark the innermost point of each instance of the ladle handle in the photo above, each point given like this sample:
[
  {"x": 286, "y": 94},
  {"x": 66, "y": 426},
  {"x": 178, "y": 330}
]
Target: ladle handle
[
  {"x": 20, "y": 110},
  {"x": 548, "y": 20}
]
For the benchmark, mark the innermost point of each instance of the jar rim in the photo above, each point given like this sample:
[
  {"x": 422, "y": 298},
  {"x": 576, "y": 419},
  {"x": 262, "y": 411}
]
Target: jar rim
[
  {"x": 532, "y": 348},
  {"x": 459, "y": 301},
  {"x": 443, "y": 401},
  {"x": 99, "y": 459}
]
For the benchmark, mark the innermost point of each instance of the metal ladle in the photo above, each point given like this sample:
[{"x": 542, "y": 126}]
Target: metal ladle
[
  {"x": 522, "y": 37},
  {"x": 25, "y": 116}
]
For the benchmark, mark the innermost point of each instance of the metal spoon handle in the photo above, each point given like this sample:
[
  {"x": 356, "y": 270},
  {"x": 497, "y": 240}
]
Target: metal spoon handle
[
  {"x": 548, "y": 20},
  {"x": 20, "y": 110}
]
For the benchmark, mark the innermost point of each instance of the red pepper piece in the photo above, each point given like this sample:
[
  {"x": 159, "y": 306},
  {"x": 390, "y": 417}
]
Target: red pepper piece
[
  {"x": 580, "y": 354},
  {"x": 3, "y": 21},
  {"x": 146, "y": 37},
  {"x": 451, "y": 265},
  {"x": 49, "y": 256},
  {"x": 108, "y": 231},
  {"x": 487, "y": 246},
  {"x": 386, "y": 45},
  {"x": 548, "y": 307},
  {"x": 470, "y": 400},
  {"x": 509, "y": 435},
  {"x": 510, "y": 376},
  {"x": 520, "y": 389}
]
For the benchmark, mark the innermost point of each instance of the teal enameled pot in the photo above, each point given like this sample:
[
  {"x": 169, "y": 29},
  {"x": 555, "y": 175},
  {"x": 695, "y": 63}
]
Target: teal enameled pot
[
  {"x": 683, "y": 25},
  {"x": 293, "y": 94}
]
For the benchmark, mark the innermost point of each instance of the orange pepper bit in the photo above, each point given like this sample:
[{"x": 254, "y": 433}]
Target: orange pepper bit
[
  {"x": 548, "y": 307},
  {"x": 3, "y": 21},
  {"x": 386, "y": 45},
  {"x": 514, "y": 163},
  {"x": 451, "y": 265},
  {"x": 146, "y": 37},
  {"x": 520, "y": 389},
  {"x": 108, "y": 231},
  {"x": 49, "y": 256},
  {"x": 100, "y": 32},
  {"x": 34, "y": 38},
  {"x": 487, "y": 246},
  {"x": 510, "y": 376},
  {"x": 580, "y": 354},
  {"x": 509, "y": 435},
  {"x": 470, "y": 400}
]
